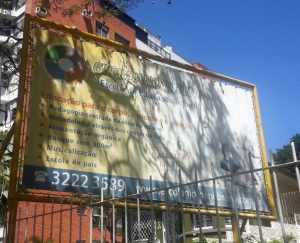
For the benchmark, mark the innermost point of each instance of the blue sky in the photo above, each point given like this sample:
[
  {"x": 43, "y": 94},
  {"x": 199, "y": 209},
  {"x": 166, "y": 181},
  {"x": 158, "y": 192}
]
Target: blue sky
[{"x": 257, "y": 41}]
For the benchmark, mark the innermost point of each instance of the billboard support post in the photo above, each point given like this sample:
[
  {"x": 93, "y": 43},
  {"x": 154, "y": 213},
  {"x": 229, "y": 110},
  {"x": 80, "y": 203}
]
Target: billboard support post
[
  {"x": 13, "y": 180},
  {"x": 296, "y": 167},
  {"x": 235, "y": 229},
  {"x": 267, "y": 173}
]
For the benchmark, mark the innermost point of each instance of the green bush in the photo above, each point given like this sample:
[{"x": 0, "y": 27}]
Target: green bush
[
  {"x": 288, "y": 238},
  {"x": 275, "y": 241},
  {"x": 248, "y": 239},
  {"x": 203, "y": 240}
]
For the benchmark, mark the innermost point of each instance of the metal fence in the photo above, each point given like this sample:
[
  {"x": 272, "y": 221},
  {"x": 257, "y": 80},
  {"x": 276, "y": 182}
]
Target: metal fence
[
  {"x": 290, "y": 206},
  {"x": 56, "y": 217}
]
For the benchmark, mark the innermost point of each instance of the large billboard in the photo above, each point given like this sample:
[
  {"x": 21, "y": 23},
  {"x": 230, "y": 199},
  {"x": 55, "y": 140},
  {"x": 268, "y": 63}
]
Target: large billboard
[{"x": 102, "y": 119}]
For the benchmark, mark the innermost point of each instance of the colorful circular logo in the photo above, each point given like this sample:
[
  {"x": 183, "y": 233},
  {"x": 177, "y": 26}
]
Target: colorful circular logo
[{"x": 65, "y": 64}]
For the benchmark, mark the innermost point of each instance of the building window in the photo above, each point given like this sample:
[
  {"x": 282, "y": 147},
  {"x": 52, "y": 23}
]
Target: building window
[
  {"x": 202, "y": 221},
  {"x": 121, "y": 39},
  {"x": 228, "y": 220},
  {"x": 80, "y": 241},
  {"x": 97, "y": 217},
  {"x": 13, "y": 114},
  {"x": 119, "y": 226},
  {"x": 81, "y": 210},
  {"x": 6, "y": 23},
  {"x": 102, "y": 30}
]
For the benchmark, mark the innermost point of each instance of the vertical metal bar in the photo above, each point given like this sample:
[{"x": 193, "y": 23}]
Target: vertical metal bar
[
  {"x": 60, "y": 219},
  {"x": 6, "y": 228},
  {"x": 13, "y": 207},
  {"x": 91, "y": 219},
  {"x": 200, "y": 235},
  {"x": 294, "y": 200},
  {"x": 43, "y": 221},
  {"x": 80, "y": 218},
  {"x": 173, "y": 226},
  {"x": 102, "y": 217},
  {"x": 296, "y": 167},
  {"x": 167, "y": 209},
  {"x": 152, "y": 236},
  {"x": 284, "y": 207},
  {"x": 126, "y": 215},
  {"x": 113, "y": 217},
  {"x": 291, "y": 206},
  {"x": 26, "y": 224},
  {"x": 217, "y": 210},
  {"x": 51, "y": 223},
  {"x": 181, "y": 203},
  {"x": 278, "y": 198},
  {"x": 71, "y": 220},
  {"x": 138, "y": 210},
  {"x": 34, "y": 219},
  {"x": 255, "y": 198},
  {"x": 235, "y": 218},
  {"x": 19, "y": 224}
]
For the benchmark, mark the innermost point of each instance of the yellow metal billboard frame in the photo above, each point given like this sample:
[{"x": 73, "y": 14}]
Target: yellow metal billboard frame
[{"x": 15, "y": 195}]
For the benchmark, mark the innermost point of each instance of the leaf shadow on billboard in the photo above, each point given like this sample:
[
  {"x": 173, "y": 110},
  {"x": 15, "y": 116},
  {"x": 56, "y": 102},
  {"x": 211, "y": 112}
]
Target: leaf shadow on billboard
[{"x": 124, "y": 118}]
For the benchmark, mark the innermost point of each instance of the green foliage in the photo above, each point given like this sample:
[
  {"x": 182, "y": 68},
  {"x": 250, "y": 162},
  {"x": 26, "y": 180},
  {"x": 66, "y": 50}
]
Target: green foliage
[
  {"x": 6, "y": 4},
  {"x": 285, "y": 154},
  {"x": 4, "y": 175},
  {"x": 3, "y": 209},
  {"x": 3, "y": 135},
  {"x": 248, "y": 239},
  {"x": 202, "y": 240},
  {"x": 4, "y": 163},
  {"x": 288, "y": 238},
  {"x": 275, "y": 241}
]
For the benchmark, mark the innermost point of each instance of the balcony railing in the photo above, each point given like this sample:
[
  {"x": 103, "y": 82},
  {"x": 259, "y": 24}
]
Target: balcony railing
[{"x": 159, "y": 49}]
